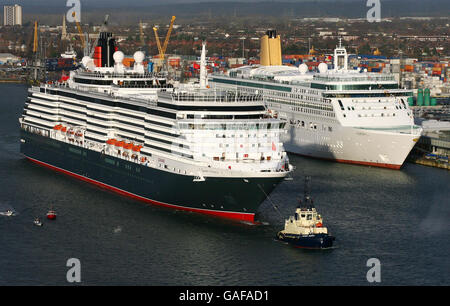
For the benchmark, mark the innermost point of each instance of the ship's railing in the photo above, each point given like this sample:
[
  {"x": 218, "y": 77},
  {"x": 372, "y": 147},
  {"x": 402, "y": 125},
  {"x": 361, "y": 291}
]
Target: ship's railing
[
  {"x": 147, "y": 75},
  {"x": 219, "y": 97},
  {"x": 140, "y": 100},
  {"x": 359, "y": 78}
]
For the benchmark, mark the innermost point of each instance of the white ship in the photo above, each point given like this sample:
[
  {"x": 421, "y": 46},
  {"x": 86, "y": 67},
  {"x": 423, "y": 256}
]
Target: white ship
[
  {"x": 193, "y": 148},
  {"x": 349, "y": 116}
]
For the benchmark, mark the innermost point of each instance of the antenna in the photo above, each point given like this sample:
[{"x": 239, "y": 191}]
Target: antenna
[
  {"x": 307, "y": 191},
  {"x": 203, "y": 72}
]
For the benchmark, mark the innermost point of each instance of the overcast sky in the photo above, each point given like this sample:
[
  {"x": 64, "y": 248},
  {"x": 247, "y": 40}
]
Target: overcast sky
[{"x": 144, "y": 2}]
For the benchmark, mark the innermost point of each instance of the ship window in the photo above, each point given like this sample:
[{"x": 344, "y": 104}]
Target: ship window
[
  {"x": 296, "y": 216},
  {"x": 309, "y": 217}
]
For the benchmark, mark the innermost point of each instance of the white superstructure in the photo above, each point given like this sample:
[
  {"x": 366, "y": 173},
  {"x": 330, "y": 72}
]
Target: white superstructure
[
  {"x": 340, "y": 114},
  {"x": 191, "y": 130}
]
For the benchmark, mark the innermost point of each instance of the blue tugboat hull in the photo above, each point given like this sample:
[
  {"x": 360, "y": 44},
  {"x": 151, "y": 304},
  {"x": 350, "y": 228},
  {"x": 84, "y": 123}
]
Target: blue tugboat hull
[{"x": 316, "y": 241}]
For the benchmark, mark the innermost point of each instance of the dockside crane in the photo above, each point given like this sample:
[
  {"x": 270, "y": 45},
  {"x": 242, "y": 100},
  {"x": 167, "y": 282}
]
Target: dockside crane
[
  {"x": 102, "y": 29},
  {"x": 35, "y": 42},
  {"x": 35, "y": 50},
  {"x": 162, "y": 50},
  {"x": 80, "y": 31}
]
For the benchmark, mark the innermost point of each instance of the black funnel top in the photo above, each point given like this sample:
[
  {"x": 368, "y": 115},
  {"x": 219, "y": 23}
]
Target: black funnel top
[
  {"x": 108, "y": 44},
  {"x": 271, "y": 33}
]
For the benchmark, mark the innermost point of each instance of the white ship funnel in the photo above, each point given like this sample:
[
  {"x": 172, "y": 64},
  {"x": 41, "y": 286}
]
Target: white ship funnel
[{"x": 270, "y": 49}]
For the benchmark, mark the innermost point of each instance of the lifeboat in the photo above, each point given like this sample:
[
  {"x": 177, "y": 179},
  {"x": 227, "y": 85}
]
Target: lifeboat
[
  {"x": 128, "y": 146},
  {"x": 78, "y": 134},
  {"x": 143, "y": 159},
  {"x": 111, "y": 141},
  {"x": 119, "y": 144},
  {"x": 137, "y": 148},
  {"x": 57, "y": 127},
  {"x": 63, "y": 129}
]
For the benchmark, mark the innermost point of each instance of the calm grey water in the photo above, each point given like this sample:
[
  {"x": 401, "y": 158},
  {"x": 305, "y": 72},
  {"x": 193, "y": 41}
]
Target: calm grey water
[{"x": 400, "y": 217}]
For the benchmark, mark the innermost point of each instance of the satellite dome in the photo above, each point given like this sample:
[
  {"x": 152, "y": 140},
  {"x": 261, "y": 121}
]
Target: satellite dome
[
  {"x": 118, "y": 57},
  {"x": 303, "y": 68},
  {"x": 139, "y": 57},
  {"x": 85, "y": 61},
  {"x": 323, "y": 68}
]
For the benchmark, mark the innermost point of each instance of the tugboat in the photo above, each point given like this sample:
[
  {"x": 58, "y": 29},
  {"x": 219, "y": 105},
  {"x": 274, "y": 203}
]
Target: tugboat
[
  {"x": 51, "y": 215},
  {"x": 305, "y": 229},
  {"x": 37, "y": 222}
]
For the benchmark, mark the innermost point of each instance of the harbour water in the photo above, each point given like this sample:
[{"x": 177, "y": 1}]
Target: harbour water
[{"x": 400, "y": 217}]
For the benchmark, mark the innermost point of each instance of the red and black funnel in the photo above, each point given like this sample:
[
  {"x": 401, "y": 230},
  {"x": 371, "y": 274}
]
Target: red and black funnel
[{"x": 103, "y": 53}]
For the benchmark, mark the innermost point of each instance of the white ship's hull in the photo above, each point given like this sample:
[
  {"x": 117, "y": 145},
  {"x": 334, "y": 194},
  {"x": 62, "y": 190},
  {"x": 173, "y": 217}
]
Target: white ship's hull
[{"x": 379, "y": 148}]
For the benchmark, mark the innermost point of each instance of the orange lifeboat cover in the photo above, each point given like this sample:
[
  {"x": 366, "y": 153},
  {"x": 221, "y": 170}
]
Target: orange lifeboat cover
[
  {"x": 137, "y": 148},
  {"x": 119, "y": 144}
]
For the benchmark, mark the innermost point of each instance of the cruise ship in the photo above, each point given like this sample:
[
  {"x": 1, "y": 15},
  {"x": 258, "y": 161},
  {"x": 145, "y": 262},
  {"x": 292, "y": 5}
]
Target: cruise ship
[
  {"x": 190, "y": 148},
  {"x": 349, "y": 116}
]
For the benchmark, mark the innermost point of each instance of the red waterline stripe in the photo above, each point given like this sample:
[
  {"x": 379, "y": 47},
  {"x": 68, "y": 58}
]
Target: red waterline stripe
[
  {"x": 354, "y": 162},
  {"x": 247, "y": 217}
]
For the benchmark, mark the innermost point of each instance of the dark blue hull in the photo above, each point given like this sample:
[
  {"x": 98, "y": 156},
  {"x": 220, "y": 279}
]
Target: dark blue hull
[
  {"x": 316, "y": 241},
  {"x": 232, "y": 198}
]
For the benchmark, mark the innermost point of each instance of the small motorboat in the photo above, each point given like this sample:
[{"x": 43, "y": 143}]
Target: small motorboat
[
  {"x": 51, "y": 215},
  {"x": 8, "y": 213},
  {"x": 305, "y": 229},
  {"x": 37, "y": 222}
]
